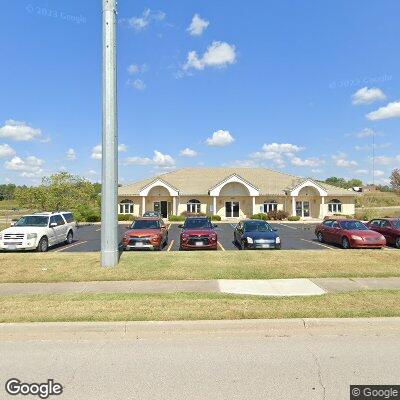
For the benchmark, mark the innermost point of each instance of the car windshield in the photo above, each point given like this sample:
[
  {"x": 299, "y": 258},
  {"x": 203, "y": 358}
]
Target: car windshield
[
  {"x": 32, "y": 220},
  {"x": 197, "y": 223},
  {"x": 145, "y": 224},
  {"x": 257, "y": 226},
  {"x": 397, "y": 223},
  {"x": 353, "y": 226}
]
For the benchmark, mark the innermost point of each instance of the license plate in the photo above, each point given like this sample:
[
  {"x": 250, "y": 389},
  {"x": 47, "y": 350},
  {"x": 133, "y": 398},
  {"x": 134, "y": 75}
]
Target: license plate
[
  {"x": 12, "y": 247},
  {"x": 138, "y": 244},
  {"x": 199, "y": 243},
  {"x": 266, "y": 246}
]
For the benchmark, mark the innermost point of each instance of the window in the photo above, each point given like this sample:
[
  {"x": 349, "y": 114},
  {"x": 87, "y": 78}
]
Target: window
[
  {"x": 328, "y": 223},
  {"x": 271, "y": 205},
  {"x": 335, "y": 206},
  {"x": 59, "y": 220},
  {"x": 193, "y": 206},
  {"x": 126, "y": 207},
  {"x": 376, "y": 223},
  {"x": 385, "y": 224},
  {"x": 68, "y": 217}
]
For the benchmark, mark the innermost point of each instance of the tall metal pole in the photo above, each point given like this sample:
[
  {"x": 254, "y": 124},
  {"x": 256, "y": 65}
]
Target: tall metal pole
[{"x": 109, "y": 222}]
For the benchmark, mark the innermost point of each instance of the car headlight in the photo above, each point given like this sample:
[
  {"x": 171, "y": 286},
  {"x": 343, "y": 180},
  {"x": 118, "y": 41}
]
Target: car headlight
[
  {"x": 249, "y": 240},
  {"x": 31, "y": 236},
  {"x": 278, "y": 240},
  {"x": 355, "y": 237}
]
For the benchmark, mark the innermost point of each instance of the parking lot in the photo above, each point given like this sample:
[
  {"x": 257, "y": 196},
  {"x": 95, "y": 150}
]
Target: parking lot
[{"x": 294, "y": 236}]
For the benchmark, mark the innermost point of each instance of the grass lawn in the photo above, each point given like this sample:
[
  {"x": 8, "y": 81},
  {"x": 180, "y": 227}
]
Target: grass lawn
[
  {"x": 55, "y": 267},
  {"x": 194, "y": 306}
]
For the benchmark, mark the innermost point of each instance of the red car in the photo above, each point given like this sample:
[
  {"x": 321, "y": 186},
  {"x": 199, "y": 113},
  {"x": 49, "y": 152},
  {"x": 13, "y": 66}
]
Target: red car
[
  {"x": 198, "y": 233},
  {"x": 388, "y": 227},
  {"x": 146, "y": 233},
  {"x": 349, "y": 233}
]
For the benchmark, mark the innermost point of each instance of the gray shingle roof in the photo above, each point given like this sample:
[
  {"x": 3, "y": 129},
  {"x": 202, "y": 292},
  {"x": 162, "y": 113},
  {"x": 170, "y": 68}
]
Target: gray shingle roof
[{"x": 198, "y": 181}]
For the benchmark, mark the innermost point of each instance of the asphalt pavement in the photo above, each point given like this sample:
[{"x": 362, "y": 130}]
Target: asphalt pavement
[
  {"x": 238, "y": 360},
  {"x": 294, "y": 236}
]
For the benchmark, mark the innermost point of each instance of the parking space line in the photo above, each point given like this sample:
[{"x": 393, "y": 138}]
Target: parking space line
[
  {"x": 288, "y": 226},
  {"x": 222, "y": 247},
  {"x": 71, "y": 245},
  {"x": 317, "y": 243},
  {"x": 233, "y": 225},
  {"x": 170, "y": 245},
  {"x": 96, "y": 230}
]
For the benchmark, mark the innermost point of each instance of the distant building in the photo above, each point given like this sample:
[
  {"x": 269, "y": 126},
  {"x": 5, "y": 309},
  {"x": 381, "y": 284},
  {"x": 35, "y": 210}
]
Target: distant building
[{"x": 234, "y": 193}]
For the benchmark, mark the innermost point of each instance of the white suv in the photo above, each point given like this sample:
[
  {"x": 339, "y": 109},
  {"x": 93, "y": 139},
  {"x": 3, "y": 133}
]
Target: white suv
[{"x": 39, "y": 231}]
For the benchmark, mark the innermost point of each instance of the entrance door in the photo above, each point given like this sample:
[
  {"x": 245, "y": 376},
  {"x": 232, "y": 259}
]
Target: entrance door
[
  {"x": 161, "y": 207},
  {"x": 232, "y": 209},
  {"x": 303, "y": 209}
]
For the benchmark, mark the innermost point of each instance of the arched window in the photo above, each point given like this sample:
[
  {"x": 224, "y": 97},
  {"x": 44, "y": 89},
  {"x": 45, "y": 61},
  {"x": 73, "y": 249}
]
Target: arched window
[
  {"x": 270, "y": 205},
  {"x": 335, "y": 206},
  {"x": 126, "y": 207},
  {"x": 193, "y": 206}
]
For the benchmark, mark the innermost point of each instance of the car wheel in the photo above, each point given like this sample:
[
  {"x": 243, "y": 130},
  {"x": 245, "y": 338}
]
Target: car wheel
[
  {"x": 345, "y": 243},
  {"x": 320, "y": 237},
  {"x": 43, "y": 245},
  {"x": 398, "y": 242},
  {"x": 70, "y": 237}
]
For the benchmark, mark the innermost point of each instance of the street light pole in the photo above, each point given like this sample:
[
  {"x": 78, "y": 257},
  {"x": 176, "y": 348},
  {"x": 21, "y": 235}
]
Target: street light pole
[{"x": 109, "y": 216}]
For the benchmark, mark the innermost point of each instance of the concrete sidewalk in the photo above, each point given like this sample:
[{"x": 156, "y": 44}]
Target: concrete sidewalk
[{"x": 271, "y": 287}]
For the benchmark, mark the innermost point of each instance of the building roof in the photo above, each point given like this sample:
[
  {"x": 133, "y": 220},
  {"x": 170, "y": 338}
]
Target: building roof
[{"x": 198, "y": 181}]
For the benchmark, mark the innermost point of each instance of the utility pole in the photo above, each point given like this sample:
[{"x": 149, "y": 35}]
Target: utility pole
[
  {"x": 109, "y": 216},
  {"x": 373, "y": 158}
]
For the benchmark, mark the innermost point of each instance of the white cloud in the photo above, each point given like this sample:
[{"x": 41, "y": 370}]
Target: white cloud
[
  {"x": 133, "y": 69},
  {"x": 277, "y": 153},
  {"x": 6, "y": 151},
  {"x": 138, "y": 84},
  {"x": 29, "y": 167},
  {"x": 96, "y": 151},
  {"x": 367, "y": 96},
  {"x": 188, "y": 152},
  {"x": 308, "y": 162},
  {"x": 19, "y": 131},
  {"x": 70, "y": 154},
  {"x": 341, "y": 161},
  {"x": 198, "y": 25},
  {"x": 361, "y": 171},
  {"x": 366, "y": 133},
  {"x": 392, "y": 110},
  {"x": 220, "y": 138},
  {"x": 218, "y": 54},
  {"x": 378, "y": 173},
  {"x": 140, "y": 23},
  {"x": 159, "y": 160}
]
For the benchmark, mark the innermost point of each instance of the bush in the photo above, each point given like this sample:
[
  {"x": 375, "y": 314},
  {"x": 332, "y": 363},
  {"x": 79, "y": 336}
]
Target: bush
[
  {"x": 277, "y": 215},
  {"x": 93, "y": 218},
  {"x": 126, "y": 217},
  {"x": 262, "y": 216},
  {"x": 189, "y": 214},
  {"x": 176, "y": 218},
  {"x": 294, "y": 218},
  {"x": 215, "y": 218}
]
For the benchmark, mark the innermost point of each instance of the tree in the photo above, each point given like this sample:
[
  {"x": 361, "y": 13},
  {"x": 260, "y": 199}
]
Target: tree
[
  {"x": 395, "y": 180},
  {"x": 61, "y": 191},
  {"x": 341, "y": 182}
]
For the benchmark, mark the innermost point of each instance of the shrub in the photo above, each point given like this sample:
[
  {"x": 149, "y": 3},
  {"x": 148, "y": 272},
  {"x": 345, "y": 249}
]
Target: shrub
[
  {"x": 282, "y": 215},
  {"x": 294, "y": 218},
  {"x": 215, "y": 218},
  {"x": 177, "y": 218},
  {"x": 126, "y": 217},
  {"x": 262, "y": 216},
  {"x": 189, "y": 214},
  {"x": 92, "y": 218}
]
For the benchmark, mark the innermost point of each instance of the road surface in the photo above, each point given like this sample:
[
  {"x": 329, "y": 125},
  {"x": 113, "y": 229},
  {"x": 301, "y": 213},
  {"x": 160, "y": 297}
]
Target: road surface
[{"x": 292, "y": 359}]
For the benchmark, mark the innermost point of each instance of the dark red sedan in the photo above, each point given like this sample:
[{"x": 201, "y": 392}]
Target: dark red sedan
[
  {"x": 349, "y": 233},
  {"x": 198, "y": 233},
  {"x": 388, "y": 227}
]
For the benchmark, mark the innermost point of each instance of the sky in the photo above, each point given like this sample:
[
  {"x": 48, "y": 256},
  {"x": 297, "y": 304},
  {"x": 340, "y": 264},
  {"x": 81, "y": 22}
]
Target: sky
[{"x": 302, "y": 87}]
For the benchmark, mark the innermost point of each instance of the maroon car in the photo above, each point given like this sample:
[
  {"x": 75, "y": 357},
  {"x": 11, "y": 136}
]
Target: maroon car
[
  {"x": 198, "y": 233},
  {"x": 388, "y": 227},
  {"x": 349, "y": 233}
]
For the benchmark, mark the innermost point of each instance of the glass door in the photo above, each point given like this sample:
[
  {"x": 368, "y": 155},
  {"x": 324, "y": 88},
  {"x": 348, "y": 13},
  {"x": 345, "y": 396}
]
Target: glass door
[
  {"x": 232, "y": 209},
  {"x": 303, "y": 209}
]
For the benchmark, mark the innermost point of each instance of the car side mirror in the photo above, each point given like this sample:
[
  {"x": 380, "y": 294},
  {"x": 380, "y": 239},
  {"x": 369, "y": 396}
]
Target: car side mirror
[
  {"x": 53, "y": 224},
  {"x": 215, "y": 226},
  {"x": 274, "y": 229},
  {"x": 180, "y": 226}
]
